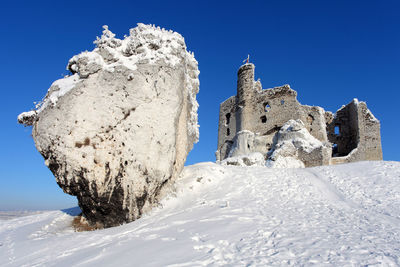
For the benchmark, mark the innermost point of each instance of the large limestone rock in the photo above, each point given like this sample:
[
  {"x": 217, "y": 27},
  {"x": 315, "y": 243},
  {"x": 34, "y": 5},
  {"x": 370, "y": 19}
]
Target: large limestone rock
[{"x": 117, "y": 131}]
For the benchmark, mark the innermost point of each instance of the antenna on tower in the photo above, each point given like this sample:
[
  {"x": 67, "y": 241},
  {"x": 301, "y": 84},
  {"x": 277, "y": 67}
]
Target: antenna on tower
[{"x": 247, "y": 59}]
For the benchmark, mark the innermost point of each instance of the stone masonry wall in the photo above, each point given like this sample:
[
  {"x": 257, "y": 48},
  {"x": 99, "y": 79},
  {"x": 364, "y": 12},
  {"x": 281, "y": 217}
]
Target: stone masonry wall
[{"x": 357, "y": 134}]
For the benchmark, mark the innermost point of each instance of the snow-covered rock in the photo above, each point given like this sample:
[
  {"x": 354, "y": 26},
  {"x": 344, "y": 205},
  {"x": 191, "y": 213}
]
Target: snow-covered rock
[
  {"x": 117, "y": 131},
  {"x": 243, "y": 151},
  {"x": 252, "y": 159},
  {"x": 295, "y": 147},
  {"x": 243, "y": 143}
]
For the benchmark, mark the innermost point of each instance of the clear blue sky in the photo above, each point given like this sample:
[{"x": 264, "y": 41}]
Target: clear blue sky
[{"x": 329, "y": 51}]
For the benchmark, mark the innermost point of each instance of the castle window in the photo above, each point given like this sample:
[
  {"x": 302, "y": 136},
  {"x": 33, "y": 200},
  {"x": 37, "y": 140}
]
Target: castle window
[
  {"x": 228, "y": 118},
  {"x": 335, "y": 151},
  {"x": 263, "y": 119},
  {"x": 267, "y": 107},
  {"x": 228, "y": 131},
  {"x": 337, "y": 130},
  {"x": 282, "y": 102}
]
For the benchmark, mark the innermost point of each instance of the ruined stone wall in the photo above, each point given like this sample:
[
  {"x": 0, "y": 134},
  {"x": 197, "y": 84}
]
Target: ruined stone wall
[
  {"x": 355, "y": 133},
  {"x": 227, "y": 126},
  {"x": 267, "y": 116},
  {"x": 343, "y": 130},
  {"x": 369, "y": 130},
  {"x": 256, "y": 115},
  {"x": 263, "y": 112},
  {"x": 315, "y": 121},
  {"x": 272, "y": 108}
]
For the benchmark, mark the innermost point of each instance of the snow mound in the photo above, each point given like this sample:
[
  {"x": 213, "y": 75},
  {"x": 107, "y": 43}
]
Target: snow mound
[
  {"x": 284, "y": 162},
  {"x": 252, "y": 159},
  {"x": 146, "y": 44},
  {"x": 295, "y": 133},
  {"x": 339, "y": 215},
  {"x": 295, "y": 147}
]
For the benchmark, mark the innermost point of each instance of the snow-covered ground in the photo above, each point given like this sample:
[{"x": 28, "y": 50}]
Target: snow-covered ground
[
  {"x": 6, "y": 215},
  {"x": 345, "y": 215}
]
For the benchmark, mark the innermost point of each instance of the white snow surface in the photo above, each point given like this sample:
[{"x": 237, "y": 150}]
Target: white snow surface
[
  {"x": 57, "y": 89},
  {"x": 27, "y": 114},
  {"x": 6, "y": 215},
  {"x": 284, "y": 162},
  {"x": 251, "y": 159},
  {"x": 343, "y": 215}
]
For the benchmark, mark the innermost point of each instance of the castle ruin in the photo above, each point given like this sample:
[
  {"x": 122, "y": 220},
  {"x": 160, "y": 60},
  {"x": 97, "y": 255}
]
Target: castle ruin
[{"x": 256, "y": 115}]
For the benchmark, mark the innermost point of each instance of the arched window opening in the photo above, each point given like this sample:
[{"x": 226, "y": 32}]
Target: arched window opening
[
  {"x": 267, "y": 107},
  {"x": 337, "y": 130},
  {"x": 263, "y": 119},
  {"x": 335, "y": 150},
  {"x": 228, "y": 118}
]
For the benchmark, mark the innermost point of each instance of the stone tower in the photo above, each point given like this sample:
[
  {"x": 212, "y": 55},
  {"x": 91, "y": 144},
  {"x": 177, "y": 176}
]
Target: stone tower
[{"x": 245, "y": 94}]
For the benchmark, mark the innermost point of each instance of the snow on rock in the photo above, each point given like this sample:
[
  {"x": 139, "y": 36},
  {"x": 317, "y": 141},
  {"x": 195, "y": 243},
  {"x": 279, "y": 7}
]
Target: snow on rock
[
  {"x": 252, "y": 159},
  {"x": 242, "y": 143},
  {"x": 369, "y": 116},
  {"x": 241, "y": 153},
  {"x": 341, "y": 215},
  {"x": 27, "y": 118},
  {"x": 295, "y": 147},
  {"x": 117, "y": 131},
  {"x": 56, "y": 90},
  {"x": 285, "y": 162}
]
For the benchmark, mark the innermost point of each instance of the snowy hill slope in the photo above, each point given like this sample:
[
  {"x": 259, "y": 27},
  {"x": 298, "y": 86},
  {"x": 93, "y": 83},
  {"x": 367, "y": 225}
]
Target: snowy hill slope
[{"x": 345, "y": 215}]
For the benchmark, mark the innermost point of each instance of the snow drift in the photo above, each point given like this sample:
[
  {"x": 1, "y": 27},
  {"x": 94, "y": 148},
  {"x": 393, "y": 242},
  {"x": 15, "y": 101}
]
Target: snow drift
[
  {"x": 295, "y": 147},
  {"x": 343, "y": 215}
]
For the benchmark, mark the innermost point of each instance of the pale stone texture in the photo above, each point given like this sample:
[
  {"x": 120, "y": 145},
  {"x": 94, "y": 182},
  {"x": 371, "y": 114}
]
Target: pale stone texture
[
  {"x": 121, "y": 135},
  {"x": 255, "y": 115}
]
